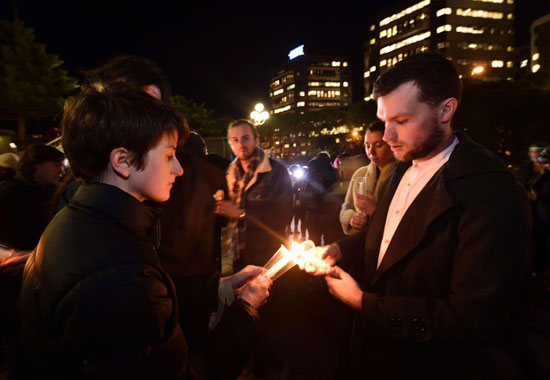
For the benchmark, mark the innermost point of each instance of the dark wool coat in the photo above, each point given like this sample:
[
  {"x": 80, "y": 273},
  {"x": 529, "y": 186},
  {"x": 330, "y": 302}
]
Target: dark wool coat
[
  {"x": 443, "y": 297},
  {"x": 96, "y": 303}
]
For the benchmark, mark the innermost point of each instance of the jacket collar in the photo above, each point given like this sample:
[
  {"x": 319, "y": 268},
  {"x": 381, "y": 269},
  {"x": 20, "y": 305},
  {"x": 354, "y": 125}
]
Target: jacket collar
[
  {"x": 263, "y": 167},
  {"x": 119, "y": 206}
]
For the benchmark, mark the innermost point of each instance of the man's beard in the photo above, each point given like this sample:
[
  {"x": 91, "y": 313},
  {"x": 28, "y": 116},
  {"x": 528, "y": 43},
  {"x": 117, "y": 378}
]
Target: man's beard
[{"x": 433, "y": 140}]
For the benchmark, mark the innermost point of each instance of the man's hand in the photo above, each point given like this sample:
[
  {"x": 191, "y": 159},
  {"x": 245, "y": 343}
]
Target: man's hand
[
  {"x": 256, "y": 291},
  {"x": 14, "y": 265},
  {"x": 248, "y": 272},
  {"x": 345, "y": 288},
  {"x": 366, "y": 204},
  {"x": 329, "y": 254},
  {"x": 228, "y": 209},
  {"x": 358, "y": 221}
]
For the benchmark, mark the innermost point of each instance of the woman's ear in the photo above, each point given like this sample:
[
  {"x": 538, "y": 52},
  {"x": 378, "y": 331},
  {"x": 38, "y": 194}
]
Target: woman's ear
[{"x": 120, "y": 162}]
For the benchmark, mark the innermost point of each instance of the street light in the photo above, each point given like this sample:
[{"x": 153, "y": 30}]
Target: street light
[{"x": 259, "y": 115}]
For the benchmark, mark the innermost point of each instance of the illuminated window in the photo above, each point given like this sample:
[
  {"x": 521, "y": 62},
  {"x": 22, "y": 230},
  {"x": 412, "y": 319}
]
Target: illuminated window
[
  {"x": 314, "y": 84},
  {"x": 277, "y": 82},
  {"x": 403, "y": 13},
  {"x": 510, "y": 1},
  {"x": 536, "y": 56},
  {"x": 478, "y": 13},
  {"x": 335, "y": 63},
  {"x": 278, "y": 92},
  {"x": 373, "y": 68},
  {"x": 345, "y": 64},
  {"x": 337, "y": 140},
  {"x": 372, "y": 41},
  {"x": 444, "y": 11},
  {"x": 497, "y": 63},
  {"x": 444, "y": 28},
  {"x": 535, "y": 68},
  {"x": 403, "y": 43},
  {"x": 291, "y": 87},
  {"x": 523, "y": 63},
  {"x": 284, "y": 99},
  {"x": 443, "y": 45},
  {"x": 510, "y": 49},
  {"x": 282, "y": 109},
  {"x": 509, "y": 64},
  {"x": 345, "y": 84},
  {"x": 312, "y": 92},
  {"x": 383, "y": 33},
  {"x": 469, "y": 29},
  {"x": 372, "y": 27},
  {"x": 302, "y": 93},
  {"x": 383, "y": 63},
  {"x": 510, "y": 16},
  {"x": 287, "y": 145},
  {"x": 332, "y": 84},
  {"x": 493, "y": 1},
  {"x": 366, "y": 74}
]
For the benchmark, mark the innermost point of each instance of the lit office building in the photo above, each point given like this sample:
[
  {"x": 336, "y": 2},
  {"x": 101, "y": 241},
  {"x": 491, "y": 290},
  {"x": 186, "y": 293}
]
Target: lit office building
[
  {"x": 540, "y": 44},
  {"x": 478, "y": 35},
  {"x": 310, "y": 83}
]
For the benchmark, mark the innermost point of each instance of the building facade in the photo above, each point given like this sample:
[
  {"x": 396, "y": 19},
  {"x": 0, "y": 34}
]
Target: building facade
[
  {"x": 540, "y": 44},
  {"x": 310, "y": 83},
  {"x": 478, "y": 35}
]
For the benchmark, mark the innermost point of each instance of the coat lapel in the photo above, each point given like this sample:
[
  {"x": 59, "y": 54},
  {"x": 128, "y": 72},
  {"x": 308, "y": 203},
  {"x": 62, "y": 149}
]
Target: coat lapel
[{"x": 432, "y": 201}]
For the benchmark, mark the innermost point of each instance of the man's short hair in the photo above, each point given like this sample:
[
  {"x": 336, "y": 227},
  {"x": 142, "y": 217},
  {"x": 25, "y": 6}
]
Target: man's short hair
[
  {"x": 195, "y": 144},
  {"x": 239, "y": 122},
  {"x": 376, "y": 126},
  {"x": 35, "y": 155},
  {"x": 96, "y": 122},
  {"x": 132, "y": 71},
  {"x": 435, "y": 76}
]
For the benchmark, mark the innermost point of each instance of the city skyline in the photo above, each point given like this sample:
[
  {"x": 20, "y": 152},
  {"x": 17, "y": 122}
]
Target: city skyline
[{"x": 215, "y": 53}]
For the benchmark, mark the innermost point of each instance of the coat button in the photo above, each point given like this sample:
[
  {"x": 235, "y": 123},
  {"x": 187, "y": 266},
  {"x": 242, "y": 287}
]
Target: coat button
[
  {"x": 420, "y": 325},
  {"x": 396, "y": 324}
]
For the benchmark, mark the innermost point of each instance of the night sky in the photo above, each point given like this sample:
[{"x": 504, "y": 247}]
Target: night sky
[{"x": 215, "y": 52}]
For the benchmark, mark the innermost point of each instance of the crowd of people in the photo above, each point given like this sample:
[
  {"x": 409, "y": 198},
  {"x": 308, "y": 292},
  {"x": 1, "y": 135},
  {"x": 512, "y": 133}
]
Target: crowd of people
[{"x": 112, "y": 246}]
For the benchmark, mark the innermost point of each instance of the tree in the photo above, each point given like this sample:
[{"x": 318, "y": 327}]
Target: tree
[
  {"x": 32, "y": 87},
  {"x": 200, "y": 118}
]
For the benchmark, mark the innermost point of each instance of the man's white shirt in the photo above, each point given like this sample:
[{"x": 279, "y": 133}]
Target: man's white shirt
[{"x": 413, "y": 181}]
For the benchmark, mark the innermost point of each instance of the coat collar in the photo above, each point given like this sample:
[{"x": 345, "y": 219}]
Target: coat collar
[
  {"x": 263, "y": 167},
  {"x": 119, "y": 206},
  {"x": 468, "y": 158}
]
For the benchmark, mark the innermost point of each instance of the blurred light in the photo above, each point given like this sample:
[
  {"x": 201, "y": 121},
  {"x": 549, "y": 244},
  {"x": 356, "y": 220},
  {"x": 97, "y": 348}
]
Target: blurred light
[
  {"x": 355, "y": 133},
  {"x": 13, "y": 146},
  {"x": 535, "y": 68},
  {"x": 296, "y": 52},
  {"x": 477, "y": 70},
  {"x": 298, "y": 173},
  {"x": 259, "y": 115}
]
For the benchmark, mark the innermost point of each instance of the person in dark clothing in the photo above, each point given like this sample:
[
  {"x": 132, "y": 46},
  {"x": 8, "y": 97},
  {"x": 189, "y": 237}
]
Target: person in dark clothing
[
  {"x": 96, "y": 301},
  {"x": 190, "y": 248},
  {"x": 24, "y": 200},
  {"x": 25, "y": 210},
  {"x": 320, "y": 177},
  {"x": 440, "y": 266}
]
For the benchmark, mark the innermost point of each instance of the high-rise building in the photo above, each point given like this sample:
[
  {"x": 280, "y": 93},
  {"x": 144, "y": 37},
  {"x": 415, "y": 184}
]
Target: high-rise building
[
  {"x": 540, "y": 44},
  {"x": 478, "y": 35},
  {"x": 309, "y": 83}
]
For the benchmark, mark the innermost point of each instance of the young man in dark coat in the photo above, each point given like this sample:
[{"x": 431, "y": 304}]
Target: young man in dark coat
[
  {"x": 440, "y": 265},
  {"x": 96, "y": 302}
]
